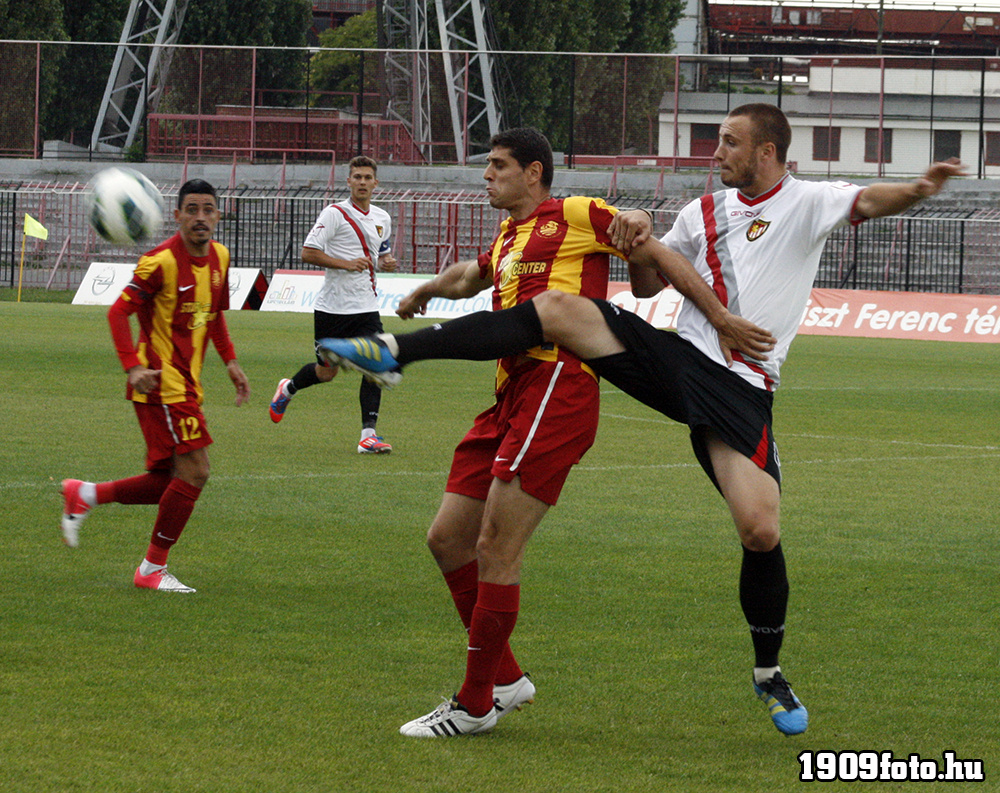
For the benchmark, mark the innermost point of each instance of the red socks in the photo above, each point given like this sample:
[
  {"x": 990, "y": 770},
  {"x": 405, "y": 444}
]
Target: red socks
[
  {"x": 144, "y": 489},
  {"x": 176, "y": 505},
  {"x": 493, "y": 620},
  {"x": 464, "y": 586}
]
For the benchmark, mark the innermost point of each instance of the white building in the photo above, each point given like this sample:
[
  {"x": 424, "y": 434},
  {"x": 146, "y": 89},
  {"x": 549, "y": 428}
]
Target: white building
[{"x": 853, "y": 109}]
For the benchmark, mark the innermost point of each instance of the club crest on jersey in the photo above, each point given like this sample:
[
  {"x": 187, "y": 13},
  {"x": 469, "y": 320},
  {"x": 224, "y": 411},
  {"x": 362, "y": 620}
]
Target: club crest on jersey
[
  {"x": 757, "y": 229},
  {"x": 379, "y": 230},
  {"x": 550, "y": 229},
  {"x": 506, "y": 266}
]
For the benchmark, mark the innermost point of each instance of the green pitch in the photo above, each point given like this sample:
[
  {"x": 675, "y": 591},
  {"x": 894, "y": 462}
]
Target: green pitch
[{"x": 321, "y": 624}]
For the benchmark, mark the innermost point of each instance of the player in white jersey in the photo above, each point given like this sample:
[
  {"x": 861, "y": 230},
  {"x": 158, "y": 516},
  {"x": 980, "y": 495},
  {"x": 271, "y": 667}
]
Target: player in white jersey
[
  {"x": 758, "y": 245},
  {"x": 350, "y": 239}
]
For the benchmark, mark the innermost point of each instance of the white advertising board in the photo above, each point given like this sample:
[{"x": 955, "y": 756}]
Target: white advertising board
[{"x": 104, "y": 281}]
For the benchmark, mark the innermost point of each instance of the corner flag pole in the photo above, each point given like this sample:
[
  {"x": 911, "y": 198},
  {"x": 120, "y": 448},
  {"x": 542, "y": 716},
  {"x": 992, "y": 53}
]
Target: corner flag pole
[
  {"x": 32, "y": 228},
  {"x": 20, "y": 273}
]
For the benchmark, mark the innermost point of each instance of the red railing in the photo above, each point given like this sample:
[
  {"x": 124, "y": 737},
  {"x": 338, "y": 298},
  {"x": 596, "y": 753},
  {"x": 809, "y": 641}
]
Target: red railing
[{"x": 276, "y": 129}]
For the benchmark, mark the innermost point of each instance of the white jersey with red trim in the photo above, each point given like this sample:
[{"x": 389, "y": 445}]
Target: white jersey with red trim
[
  {"x": 760, "y": 255},
  {"x": 345, "y": 232}
]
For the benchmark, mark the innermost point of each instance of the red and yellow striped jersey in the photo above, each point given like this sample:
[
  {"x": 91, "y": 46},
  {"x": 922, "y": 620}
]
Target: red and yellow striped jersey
[
  {"x": 178, "y": 299},
  {"x": 562, "y": 245}
]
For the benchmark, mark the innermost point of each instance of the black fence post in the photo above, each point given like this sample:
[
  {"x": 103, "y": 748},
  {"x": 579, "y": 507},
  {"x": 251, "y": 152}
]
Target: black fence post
[
  {"x": 572, "y": 108},
  {"x": 361, "y": 101}
]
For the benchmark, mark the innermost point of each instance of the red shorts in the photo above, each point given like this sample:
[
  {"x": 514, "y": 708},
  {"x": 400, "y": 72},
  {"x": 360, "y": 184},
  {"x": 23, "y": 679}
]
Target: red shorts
[
  {"x": 543, "y": 422},
  {"x": 171, "y": 429}
]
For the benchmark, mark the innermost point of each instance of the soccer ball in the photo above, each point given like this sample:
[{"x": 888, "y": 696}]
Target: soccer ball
[{"x": 125, "y": 207}]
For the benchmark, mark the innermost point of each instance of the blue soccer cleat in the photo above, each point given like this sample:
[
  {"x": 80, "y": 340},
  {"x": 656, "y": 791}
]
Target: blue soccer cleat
[
  {"x": 788, "y": 714},
  {"x": 366, "y": 354}
]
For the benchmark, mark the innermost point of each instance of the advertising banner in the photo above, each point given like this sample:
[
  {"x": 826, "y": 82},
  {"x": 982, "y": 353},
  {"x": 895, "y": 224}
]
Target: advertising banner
[
  {"x": 104, "y": 281},
  {"x": 847, "y": 312}
]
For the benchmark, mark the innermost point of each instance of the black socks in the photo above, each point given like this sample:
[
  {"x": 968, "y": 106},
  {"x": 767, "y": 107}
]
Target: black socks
[{"x": 482, "y": 336}]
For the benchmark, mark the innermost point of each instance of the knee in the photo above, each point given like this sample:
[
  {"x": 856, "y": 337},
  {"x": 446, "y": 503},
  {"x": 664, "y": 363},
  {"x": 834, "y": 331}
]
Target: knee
[
  {"x": 196, "y": 478},
  {"x": 760, "y": 536},
  {"x": 553, "y": 307}
]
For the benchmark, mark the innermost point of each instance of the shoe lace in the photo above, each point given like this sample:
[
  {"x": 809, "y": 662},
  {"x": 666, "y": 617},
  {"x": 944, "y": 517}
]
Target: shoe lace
[
  {"x": 778, "y": 688},
  {"x": 440, "y": 712}
]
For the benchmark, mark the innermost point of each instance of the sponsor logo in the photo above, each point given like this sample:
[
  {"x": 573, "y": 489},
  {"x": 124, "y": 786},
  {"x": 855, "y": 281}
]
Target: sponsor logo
[
  {"x": 757, "y": 229},
  {"x": 103, "y": 281}
]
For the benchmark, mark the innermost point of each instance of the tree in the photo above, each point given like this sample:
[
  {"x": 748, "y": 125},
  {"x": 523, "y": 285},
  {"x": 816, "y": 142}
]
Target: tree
[
  {"x": 27, "y": 20},
  {"x": 540, "y": 90},
  {"x": 83, "y": 72},
  {"x": 332, "y": 71}
]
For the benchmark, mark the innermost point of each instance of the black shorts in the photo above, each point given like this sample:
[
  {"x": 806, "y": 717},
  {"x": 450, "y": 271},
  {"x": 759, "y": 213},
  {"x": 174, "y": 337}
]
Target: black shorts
[
  {"x": 671, "y": 375},
  {"x": 342, "y": 326}
]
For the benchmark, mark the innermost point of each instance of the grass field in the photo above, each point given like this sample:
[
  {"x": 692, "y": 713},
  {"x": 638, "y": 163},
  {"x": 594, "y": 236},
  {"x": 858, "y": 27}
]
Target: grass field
[{"x": 321, "y": 624}]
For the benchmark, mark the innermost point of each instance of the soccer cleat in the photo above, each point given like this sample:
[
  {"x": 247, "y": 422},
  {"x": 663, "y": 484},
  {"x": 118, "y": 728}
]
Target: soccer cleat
[
  {"x": 366, "y": 354},
  {"x": 788, "y": 714},
  {"x": 280, "y": 402},
  {"x": 512, "y": 696},
  {"x": 160, "y": 580},
  {"x": 449, "y": 719},
  {"x": 75, "y": 511},
  {"x": 373, "y": 444}
]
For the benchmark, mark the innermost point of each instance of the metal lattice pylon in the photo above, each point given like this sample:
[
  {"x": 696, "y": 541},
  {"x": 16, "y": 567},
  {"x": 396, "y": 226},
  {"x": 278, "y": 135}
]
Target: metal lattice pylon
[
  {"x": 468, "y": 69},
  {"x": 138, "y": 68},
  {"x": 407, "y": 70}
]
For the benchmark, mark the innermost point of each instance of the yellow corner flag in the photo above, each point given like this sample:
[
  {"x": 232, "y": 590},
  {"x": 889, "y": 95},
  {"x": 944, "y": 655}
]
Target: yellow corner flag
[{"x": 32, "y": 228}]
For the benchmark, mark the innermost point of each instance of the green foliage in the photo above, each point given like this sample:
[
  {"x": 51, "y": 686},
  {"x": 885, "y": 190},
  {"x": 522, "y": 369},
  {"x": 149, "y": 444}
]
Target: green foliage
[
  {"x": 338, "y": 72},
  {"x": 539, "y": 90},
  {"x": 83, "y": 70},
  {"x": 32, "y": 20},
  {"x": 321, "y": 622},
  {"x": 27, "y": 20},
  {"x": 253, "y": 23}
]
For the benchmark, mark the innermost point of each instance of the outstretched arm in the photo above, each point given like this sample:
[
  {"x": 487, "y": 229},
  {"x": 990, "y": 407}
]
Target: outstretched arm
[
  {"x": 458, "y": 281},
  {"x": 735, "y": 332},
  {"x": 891, "y": 198}
]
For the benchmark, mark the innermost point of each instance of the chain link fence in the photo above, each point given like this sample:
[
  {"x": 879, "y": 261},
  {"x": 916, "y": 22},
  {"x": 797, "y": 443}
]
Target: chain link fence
[
  {"x": 934, "y": 250},
  {"x": 880, "y": 116}
]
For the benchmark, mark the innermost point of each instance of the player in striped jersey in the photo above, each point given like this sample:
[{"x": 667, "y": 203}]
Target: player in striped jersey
[
  {"x": 758, "y": 245},
  {"x": 511, "y": 466},
  {"x": 349, "y": 239},
  {"x": 178, "y": 293}
]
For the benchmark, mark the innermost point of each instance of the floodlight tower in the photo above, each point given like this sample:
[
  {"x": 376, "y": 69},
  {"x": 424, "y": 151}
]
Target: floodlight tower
[
  {"x": 468, "y": 69},
  {"x": 137, "y": 71},
  {"x": 407, "y": 68}
]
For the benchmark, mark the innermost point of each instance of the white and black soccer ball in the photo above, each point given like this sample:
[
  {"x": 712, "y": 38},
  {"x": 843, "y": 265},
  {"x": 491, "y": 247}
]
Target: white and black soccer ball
[{"x": 125, "y": 207}]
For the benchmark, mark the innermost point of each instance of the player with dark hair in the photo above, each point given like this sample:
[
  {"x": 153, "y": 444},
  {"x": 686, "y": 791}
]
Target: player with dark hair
[
  {"x": 349, "y": 239},
  {"x": 178, "y": 293},
  {"x": 511, "y": 466},
  {"x": 757, "y": 244}
]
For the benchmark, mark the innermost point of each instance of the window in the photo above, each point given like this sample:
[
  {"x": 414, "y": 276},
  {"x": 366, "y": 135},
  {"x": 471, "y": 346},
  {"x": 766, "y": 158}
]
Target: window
[
  {"x": 993, "y": 148},
  {"x": 704, "y": 139},
  {"x": 871, "y": 145},
  {"x": 947, "y": 143},
  {"x": 826, "y": 143}
]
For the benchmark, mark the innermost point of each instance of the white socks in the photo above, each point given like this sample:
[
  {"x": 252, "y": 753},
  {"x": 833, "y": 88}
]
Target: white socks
[
  {"x": 762, "y": 673},
  {"x": 390, "y": 342},
  {"x": 88, "y": 493},
  {"x": 147, "y": 567}
]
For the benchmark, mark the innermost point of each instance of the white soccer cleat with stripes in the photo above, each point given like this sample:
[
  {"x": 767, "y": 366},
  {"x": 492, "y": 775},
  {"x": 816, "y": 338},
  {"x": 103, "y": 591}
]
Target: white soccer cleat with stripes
[{"x": 448, "y": 720}]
